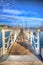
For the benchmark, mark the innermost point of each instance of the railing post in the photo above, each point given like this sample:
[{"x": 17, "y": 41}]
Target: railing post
[
  {"x": 3, "y": 40},
  {"x": 12, "y": 40},
  {"x": 31, "y": 35},
  {"x": 11, "y": 36},
  {"x": 38, "y": 43},
  {"x": 14, "y": 36}
]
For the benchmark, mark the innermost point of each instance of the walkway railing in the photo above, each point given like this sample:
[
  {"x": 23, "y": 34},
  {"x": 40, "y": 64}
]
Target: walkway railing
[
  {"x": 8, "y": 38},
  {"x": 34, "y": 39}
]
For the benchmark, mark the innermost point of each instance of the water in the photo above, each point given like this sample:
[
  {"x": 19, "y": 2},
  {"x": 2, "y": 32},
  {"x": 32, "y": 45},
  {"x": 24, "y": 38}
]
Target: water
[
  {"x": 41, "y": 39},
  {"x": 0, "y": 39},
  {"x": 7, "y": 33},
  {"x": 6, "y": 40}
]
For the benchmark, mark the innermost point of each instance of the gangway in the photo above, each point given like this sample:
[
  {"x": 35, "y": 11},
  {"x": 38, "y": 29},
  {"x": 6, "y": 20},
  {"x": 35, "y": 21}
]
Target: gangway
[{"x": 9, "y": 36}]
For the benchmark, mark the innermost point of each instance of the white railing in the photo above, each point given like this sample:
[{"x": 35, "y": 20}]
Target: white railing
[
  {"x": 9, "y": 40},
  {"x": 31, "y": 37}
]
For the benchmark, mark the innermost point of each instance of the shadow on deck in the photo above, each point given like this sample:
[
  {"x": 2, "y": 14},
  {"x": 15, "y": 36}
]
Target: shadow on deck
[{"x": 29, "y": 47}]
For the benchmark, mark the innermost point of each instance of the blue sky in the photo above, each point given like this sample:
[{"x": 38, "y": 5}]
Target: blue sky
[{"x": 26, "y": 12}]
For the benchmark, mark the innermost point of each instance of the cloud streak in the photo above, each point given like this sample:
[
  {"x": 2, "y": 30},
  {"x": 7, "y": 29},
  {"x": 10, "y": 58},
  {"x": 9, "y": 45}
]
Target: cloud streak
[
  {"x": 20, "y": 17},
  {"x": 12, "y": 11},
  {"x": 14, "y": 20},
  {"x": 17, "y": 12}
]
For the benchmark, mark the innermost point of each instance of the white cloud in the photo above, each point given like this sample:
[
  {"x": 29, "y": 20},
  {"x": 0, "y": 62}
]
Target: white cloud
[
  {"x": 17, "y": 12},
  {"x": 14, "y": 19},
  {"x": 12, "y": 11},
  {"x": 20, "y": 18}
]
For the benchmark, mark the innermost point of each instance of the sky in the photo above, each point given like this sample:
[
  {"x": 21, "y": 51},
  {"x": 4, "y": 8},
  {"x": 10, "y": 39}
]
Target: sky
[{"x": 21, "y": 12}]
